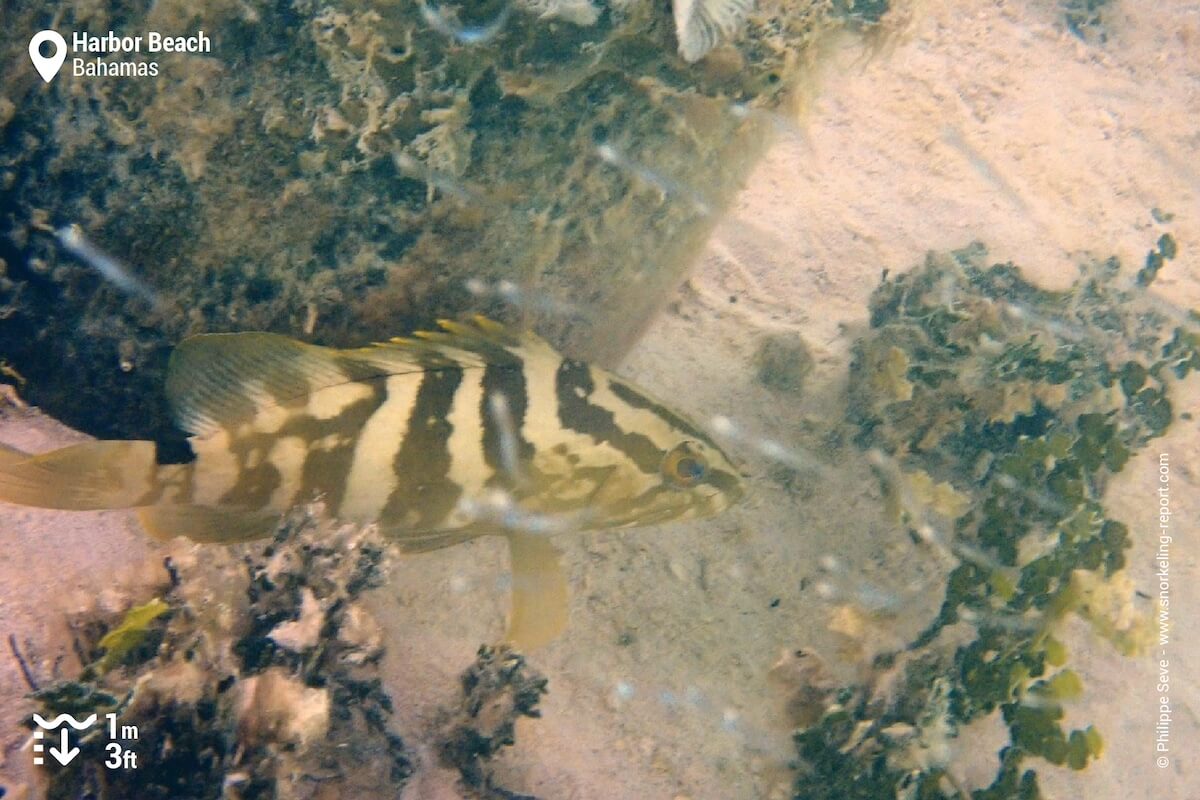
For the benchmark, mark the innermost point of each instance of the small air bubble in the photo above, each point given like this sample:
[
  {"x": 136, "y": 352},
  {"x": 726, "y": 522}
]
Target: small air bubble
[
  {"x": 722, "y": 425},
  {"x": 774, "y": 450},
  {"x": 498, "y": 499}
]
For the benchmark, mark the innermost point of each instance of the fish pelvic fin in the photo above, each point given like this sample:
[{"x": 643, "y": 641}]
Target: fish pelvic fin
[
  {"x": 83, "y": 477},
  {"x": 539, "y": 592}
]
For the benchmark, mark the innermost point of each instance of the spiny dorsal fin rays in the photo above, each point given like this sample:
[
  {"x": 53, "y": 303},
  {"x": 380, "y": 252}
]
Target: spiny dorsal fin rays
[
  {"x": 223, "y": 379},
  {"x": 497, "y": 344}
]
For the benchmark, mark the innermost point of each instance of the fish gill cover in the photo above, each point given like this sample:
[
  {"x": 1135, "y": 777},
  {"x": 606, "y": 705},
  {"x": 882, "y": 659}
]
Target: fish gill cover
[{"x": 349, "y": 171}]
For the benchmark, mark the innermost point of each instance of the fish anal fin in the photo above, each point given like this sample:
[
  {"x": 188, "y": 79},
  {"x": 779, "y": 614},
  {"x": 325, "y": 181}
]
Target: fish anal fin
[
  {"x": 539, "y": 592},
  {"x": 206, "y": 524},
  {"x": 407, "y": 542}
]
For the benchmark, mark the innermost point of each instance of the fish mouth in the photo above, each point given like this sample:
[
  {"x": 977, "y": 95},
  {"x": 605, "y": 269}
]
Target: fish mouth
[
  {"x": 729, "y": 486},
  {"x": 699, "y": 503}
]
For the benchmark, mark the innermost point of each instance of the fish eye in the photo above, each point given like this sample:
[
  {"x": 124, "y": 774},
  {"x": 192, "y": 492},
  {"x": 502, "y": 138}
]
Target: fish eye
[{"x": 684, "y": 465}]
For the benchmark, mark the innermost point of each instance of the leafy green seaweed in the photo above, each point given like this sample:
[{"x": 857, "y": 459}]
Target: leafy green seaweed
[{"x": 1025, "y": 401}]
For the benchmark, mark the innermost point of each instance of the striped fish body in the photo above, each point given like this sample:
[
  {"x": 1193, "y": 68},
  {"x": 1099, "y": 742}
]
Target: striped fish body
[{"x": 467, "y": 431}]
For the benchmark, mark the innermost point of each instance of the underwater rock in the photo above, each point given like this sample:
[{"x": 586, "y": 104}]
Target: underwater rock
[
  {"x": 349, "y": 173},
  {"x": 783, "y": 362}
]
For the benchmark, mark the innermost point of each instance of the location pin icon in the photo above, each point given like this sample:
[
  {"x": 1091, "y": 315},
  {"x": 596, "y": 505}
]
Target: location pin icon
[{"x": 48, "y": 67}]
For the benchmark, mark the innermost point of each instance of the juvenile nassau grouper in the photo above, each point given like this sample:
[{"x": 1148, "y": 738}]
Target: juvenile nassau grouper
[{"x": 469, "y": 431}]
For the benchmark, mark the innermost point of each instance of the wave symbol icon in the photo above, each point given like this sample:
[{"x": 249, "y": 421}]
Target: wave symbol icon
[{"x": 61, "y": 718}]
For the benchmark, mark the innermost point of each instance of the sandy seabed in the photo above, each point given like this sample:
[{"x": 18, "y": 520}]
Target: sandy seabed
[{"x": 982, "y": 120}]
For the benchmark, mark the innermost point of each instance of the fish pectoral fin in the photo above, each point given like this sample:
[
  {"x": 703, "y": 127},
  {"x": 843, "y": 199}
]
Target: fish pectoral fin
[
  {"x": 206, "y": 524},
  {"x": 539, "y": 591}
]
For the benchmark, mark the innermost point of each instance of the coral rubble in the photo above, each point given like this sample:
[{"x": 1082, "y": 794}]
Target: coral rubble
[{"x": 254, "y": 675}]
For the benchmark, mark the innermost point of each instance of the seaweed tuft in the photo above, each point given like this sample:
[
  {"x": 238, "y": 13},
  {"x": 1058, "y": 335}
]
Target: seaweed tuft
[{"x": 975, "y": 385}]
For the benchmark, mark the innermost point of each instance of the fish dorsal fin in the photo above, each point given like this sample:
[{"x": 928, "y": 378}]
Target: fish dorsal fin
[
  {"x": 475, "y": 342},
  {"x": 222, "y": 379}
]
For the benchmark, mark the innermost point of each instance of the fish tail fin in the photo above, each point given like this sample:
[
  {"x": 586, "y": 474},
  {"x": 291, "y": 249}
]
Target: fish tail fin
[
  {"x": 87, "y": 476},
  {"x": 11, "y": 455}
]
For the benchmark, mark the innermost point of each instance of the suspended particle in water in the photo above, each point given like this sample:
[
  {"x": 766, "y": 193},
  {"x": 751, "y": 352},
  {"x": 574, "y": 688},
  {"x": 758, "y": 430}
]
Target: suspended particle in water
[
  {"x": 668, "y": 187},
  {"x": 512, "y": 294},
  {"x": 446, "y": 22},
  {"x": 770, "y": 448},
  {"x": 74, "y": 242},
  {"x": 506, "y": 431}
]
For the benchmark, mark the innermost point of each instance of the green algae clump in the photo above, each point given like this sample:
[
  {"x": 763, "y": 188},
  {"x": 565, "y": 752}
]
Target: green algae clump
[{"x": 1024, "y": 402}]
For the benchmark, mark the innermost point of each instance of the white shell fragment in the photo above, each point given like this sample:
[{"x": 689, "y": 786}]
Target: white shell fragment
[
  {"x": 701, "y": 25},
  {"x": 577, "y": 12},
  {"x": 275, "y": 706},
  {"x": 301, "y": 634}
]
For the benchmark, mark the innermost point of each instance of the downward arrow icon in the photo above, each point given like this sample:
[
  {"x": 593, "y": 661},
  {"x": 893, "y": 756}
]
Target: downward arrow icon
[{"x": 67, "y": 753}]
